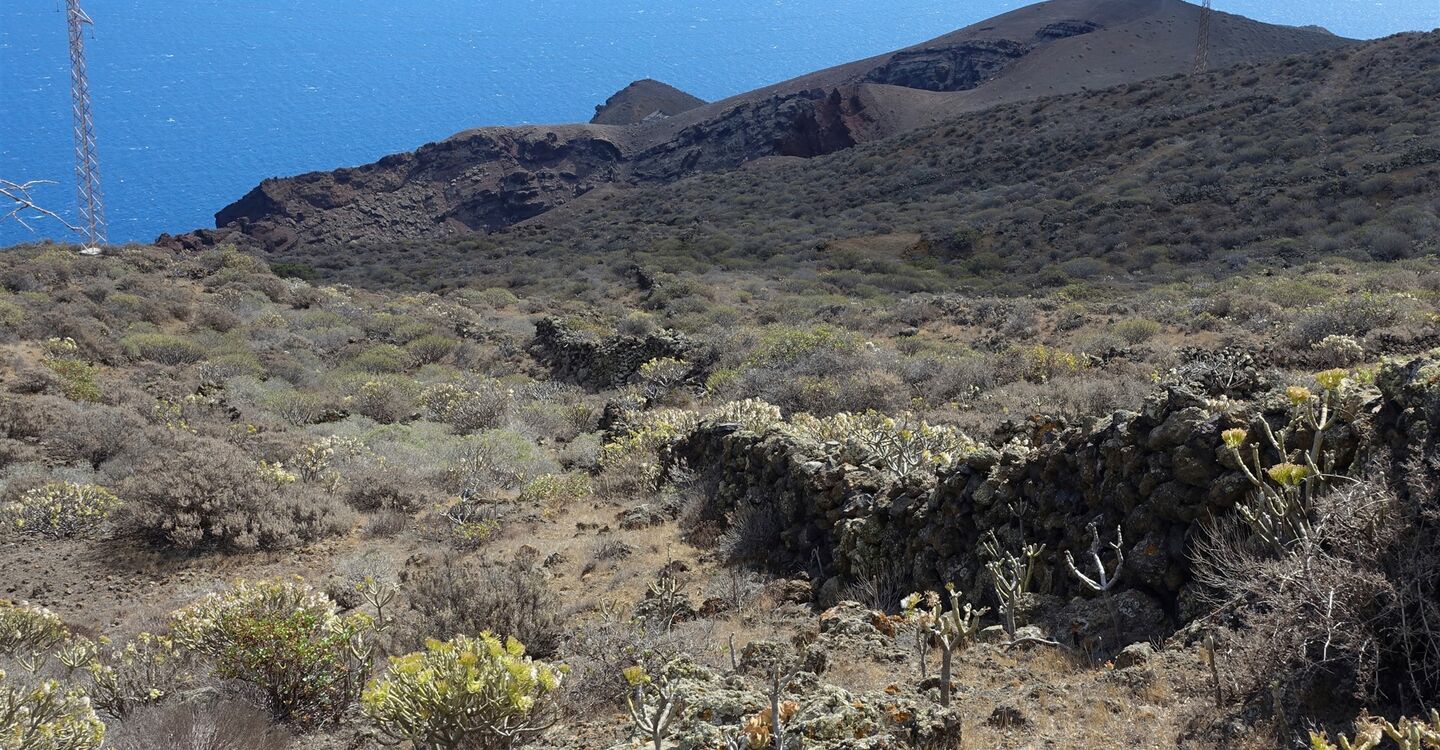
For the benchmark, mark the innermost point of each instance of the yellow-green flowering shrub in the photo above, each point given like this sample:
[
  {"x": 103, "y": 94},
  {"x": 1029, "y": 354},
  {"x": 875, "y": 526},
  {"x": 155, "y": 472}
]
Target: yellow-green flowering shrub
[
  {"x": 898, "y": 446},
  {"x": 652, "y": 431},
  {"x": 1040, "y": 363},
  {"x": 1278, "y": 511},
  {"x": 320, "y": 462},
  {"x": 631, "y": 462},
  {"x": 474, "y": 692},
  {"x": 47, "y": 716},
  {"x": 26, "y": 629},
  {"x": 148, "y": 669},
  {"x": 555, "y": 489},
  {"x": 752, "y": 415},
  {"x": 287, "y": 640},
  {"x": 470, "y": 407},
  {"x": 77, "y": 377},
  {"x": 60, "y": 510},
  {"x": 658, "y": 377}
]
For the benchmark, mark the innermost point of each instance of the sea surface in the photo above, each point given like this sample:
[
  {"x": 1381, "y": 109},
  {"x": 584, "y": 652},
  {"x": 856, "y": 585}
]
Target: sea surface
[{"x": 196, "y": 101}]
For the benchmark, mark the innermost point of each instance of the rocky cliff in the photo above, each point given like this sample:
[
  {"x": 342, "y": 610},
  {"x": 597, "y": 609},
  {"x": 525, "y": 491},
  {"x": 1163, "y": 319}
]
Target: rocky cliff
[{"x": 490, "y": 179}]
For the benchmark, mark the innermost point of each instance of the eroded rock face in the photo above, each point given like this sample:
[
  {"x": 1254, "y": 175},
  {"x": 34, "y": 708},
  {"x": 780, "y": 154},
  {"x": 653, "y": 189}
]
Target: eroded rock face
[
  {"x": 807, "y": 124},
  {"x": 642, "y": 101},
  {"x": 954, "y": 68},
  {"x": 479, "y": 181}
]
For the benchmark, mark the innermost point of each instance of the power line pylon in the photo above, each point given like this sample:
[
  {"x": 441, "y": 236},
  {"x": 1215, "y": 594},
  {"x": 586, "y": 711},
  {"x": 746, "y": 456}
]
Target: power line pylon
[
  {"x": 87, "y": 162},
  {"x": 1202, "y": 41}
]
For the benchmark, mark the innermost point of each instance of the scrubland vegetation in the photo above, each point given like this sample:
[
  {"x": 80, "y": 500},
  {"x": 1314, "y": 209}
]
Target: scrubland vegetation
[
  {"x": 1100, "y": 421},
  {"x": 252, "y": 510}
]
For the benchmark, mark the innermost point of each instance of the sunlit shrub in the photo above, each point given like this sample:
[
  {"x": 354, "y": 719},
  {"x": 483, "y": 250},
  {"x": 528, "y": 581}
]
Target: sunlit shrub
[
  {"x": 60, "y": 510},
  {"x": 47, "y": 716},
  {"x": 285, "y": 639},
  {"x": 469, "y": 691},
  {"x": 163, "y": 348}
]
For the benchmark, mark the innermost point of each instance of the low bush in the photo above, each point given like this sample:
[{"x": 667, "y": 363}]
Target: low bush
[
  {"x": 207, "y": 493},
  {"x": 163, "y": 348},
  {"x": 60, "y": 510},
  {"x": 286, "y": 640},
  {"x": 475, "y": 692},
  {"x": 458, "y": 597}
]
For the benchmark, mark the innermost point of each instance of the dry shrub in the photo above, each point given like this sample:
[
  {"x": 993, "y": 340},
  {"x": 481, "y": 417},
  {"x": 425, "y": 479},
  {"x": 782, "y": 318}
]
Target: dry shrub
[
  {"x": 458, "y": 597},
  {"x": 1318, "y": 619},
  {"x": 225, "y": 725},
  {"x": 207, "y": 493}
]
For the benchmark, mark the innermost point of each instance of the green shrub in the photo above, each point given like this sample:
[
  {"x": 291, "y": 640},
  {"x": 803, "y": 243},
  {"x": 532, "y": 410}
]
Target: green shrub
[
  {"x": 77, "y": 378},
  {"x": 555, "y": 490},
  {"x": 497, "y": 459},
  {"x": 47, "y": 716},
  {"x": 468, "y": 408},
  {"x": 285, "y": 639},
  {"x": 11, "y": 314},
  {"x": 475, "y": 692},
  {"x": 382, "y": 358},
  {"x": 431, "y": 348},
  {"x": 60, "y": 510},
  {"x": 295, "y": 271},
  {"x": 385, "y": 399},
  {"x": 1136, "y": 330},
  {"x": 163, "y": 348}
]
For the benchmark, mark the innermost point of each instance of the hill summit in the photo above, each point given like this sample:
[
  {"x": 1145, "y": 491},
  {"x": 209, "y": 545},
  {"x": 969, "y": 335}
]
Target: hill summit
[{"x": 646, "y": 99}]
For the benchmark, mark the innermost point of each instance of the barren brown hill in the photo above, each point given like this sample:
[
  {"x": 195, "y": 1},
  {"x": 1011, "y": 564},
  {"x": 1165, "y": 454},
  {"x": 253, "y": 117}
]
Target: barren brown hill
[
  {"x": 643, "y": 100},
  {"x": 488, "y": 179}
]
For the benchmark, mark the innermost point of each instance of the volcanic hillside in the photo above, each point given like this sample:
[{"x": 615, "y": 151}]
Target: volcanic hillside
[
  {"x": 488, "y": 179},
  {"x": 643, "y": 100},
  {"x": 1332, "y": 153}
]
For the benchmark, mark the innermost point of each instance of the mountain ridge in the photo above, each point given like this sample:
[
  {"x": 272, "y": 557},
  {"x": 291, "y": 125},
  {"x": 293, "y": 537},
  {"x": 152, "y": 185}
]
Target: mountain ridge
[{"x": 487, "y": 179}]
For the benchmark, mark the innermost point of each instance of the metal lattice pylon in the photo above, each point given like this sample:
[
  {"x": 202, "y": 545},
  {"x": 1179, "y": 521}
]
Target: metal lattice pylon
[
  {"x": 1202, "y": 41},
  {"x": 87, "y": 162}
]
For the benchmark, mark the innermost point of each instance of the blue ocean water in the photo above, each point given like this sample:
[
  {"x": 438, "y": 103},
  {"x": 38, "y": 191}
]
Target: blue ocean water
[{"x": 196, "y": 101}]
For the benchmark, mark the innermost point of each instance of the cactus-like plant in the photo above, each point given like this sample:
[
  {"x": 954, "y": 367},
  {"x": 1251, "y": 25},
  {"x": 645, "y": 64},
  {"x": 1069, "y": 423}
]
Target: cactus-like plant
[
  {"x": 26, "y": 629},
  {"x": 654, "y": 706},
  {"x": 480, "y": 692},
  {"x": 1103, "y": 581},
  {"x": 1414, "y": 734},
  {"x": 148, "y": 669},
  {"x": 952, "y": 628},
  {"x": 766, "y": 730},
  {"x": 1010, "y": 576},
  {"x": 1278, "y": 510},
  {"x": 1407, "y": 734},
  {"x": 922, "y": 619},
  {"x": 897, "y": 446}
]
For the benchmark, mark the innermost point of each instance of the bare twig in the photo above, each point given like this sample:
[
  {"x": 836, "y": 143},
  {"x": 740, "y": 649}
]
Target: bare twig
[{"x": 18, "y": 193}]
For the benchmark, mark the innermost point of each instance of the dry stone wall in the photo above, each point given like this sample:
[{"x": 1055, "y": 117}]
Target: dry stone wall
[{"x": 1158, "y": 474}]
